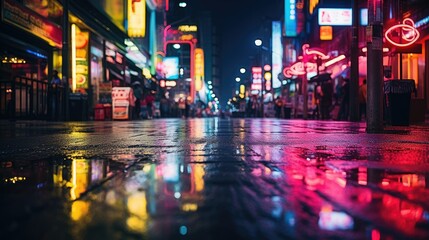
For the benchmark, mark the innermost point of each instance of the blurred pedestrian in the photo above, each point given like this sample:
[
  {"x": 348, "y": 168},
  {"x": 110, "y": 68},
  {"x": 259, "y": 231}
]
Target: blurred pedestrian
[
  {"x": 150, "y": 99},
  {"x": 278, "y": 106},
  {"x": 343, "y": 113},
  {"x": 254, "y": 108},
  {"x": 188, "y": 107},
  {"x": 249, "y": 108},
  {"x": 181, "y": 105},
  {"x": 55, "y": 95},
  {"x": 326, "y": 99},
  {"x": 55, "y": 81},
  {"x": 138, "y": 94},
  {"x": 317, "y": 98},
  {"x": 362, "y": 99},
  {"x": 338, "y": 83},
  {"x": 164, "y": 106}
]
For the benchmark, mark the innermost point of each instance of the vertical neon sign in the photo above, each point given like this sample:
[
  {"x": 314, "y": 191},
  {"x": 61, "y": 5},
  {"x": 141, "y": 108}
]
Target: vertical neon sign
[
  {"x": 73, "y": 55},
  {"x": 290, "y": 18},
  {"x": 277, "y": 54},
  {"x": 256, "y": 78},
  {"x": 199, "y": 68},
  {"x": 136, "y": 18}
]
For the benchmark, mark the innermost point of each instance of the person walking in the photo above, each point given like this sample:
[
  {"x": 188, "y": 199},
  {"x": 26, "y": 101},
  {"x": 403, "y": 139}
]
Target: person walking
[
  {"x": 362, "y": 99},
  {"x": 150, "y": 99},
  {"x": 138, "y": 94},
  {"x": 56, "y": 81},
  {"x": 317, "y": 98},
  {"x": 181, "y": 104},
  {"x": 164, "y": 106},
  {"x": 55, "y": 95},
  {"x": 326, "y": 99},
  {"x": 278, "y": 106},
  {"x": 343, "y": 114}
]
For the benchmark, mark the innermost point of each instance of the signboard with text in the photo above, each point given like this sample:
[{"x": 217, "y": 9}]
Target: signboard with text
[
  {"x": 20, "y": 16},
  {"x": 335, "y": 16},
  {"x": 136, "y": 18}
]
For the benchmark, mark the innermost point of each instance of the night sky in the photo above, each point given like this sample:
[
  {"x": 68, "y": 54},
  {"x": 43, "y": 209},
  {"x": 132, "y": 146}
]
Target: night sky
[{"x": 239, "y": 23}]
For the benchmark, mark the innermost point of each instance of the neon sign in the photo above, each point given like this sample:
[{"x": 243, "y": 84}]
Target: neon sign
[
  {"x": 335, "y": 16},
  {"x": 188, "y": 28},
  {"x": 299, "y": 68},
  {"x": 199, "y": 68},
  {"x": 310, "y": 51},
  {"x": 136, "y": 18},
  {"x": 312, "y": 4},
  {"x": 256, "y": 78},
  {"x": 290, "y": 18},
  {"x": 408, "y": 34},
  {"x": 325, "y": 32},
  {"x": 304, "y": 66}
]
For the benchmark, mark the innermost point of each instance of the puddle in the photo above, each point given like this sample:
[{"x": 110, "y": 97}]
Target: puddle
[{"x": 68, "y": 177}]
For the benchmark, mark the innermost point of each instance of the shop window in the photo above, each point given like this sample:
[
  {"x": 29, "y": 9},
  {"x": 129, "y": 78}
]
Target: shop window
[{"x": 410, "y": 67}]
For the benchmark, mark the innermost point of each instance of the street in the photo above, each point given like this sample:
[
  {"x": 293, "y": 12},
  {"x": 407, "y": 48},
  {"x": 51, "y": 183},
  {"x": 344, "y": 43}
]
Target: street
[{"x": 213, "y": 178}]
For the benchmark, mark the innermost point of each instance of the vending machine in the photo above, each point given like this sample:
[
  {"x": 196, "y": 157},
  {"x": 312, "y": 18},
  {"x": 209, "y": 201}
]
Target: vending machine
[{"x": 122, "y": 102}]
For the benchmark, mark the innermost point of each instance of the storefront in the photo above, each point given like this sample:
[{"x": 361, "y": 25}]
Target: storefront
[
  {"x": 99, "y": 58},
  {"x": 113, "y": 58},
  {"x": 30, "y": 42},
  {"x": 409, "y": 58}
]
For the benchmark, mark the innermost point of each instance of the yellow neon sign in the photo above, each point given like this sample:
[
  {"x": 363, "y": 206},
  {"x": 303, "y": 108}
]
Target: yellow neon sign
[
  {"x": 188, "y": 28},
  {"x": 136, "y": 18},
  {"x": 199, "y": 68}
]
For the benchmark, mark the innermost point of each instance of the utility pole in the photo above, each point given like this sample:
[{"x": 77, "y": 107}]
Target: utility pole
[
  {"x": 354, "y": 68},
  {"x": 304, "y": 90},
  {"x": 261, "y": 63},
  {"x": 304, "y": 86},
  {"x": 374, "y": 35}
]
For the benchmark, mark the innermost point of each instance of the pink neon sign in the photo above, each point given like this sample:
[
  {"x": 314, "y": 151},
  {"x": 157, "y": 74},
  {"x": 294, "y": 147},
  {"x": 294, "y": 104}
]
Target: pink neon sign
[
  {"x": 299, "y": 68},
  {"x": 311, "y": 51},
  {"x": 304, "y": 66},
  {"x": 407, "y": 32}
]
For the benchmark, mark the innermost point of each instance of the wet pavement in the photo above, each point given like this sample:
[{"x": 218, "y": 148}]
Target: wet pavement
[{"x": 213, "y": 179}]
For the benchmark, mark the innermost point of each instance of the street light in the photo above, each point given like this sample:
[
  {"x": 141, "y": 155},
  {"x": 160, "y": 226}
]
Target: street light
[
  {"x": 258, "y": 43},
  {"x": 237, "y": 85},
  {"x": 242, "y": 70}
]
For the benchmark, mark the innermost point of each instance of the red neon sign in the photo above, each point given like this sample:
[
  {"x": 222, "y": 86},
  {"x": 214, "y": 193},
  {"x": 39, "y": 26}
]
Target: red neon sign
[{"x": 407, "y": 32}]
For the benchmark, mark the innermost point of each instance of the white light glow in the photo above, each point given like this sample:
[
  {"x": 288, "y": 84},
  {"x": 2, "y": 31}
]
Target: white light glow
[
  {"x": 177, "y": 195},
  {"x": 73, "y": 56}
]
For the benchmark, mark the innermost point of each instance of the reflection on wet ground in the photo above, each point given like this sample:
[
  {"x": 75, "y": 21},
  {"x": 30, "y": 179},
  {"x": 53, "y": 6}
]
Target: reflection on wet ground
[{"x": 213, "y": 179}]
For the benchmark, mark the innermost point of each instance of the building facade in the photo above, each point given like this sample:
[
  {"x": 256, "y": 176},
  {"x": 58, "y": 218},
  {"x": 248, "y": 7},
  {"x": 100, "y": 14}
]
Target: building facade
[{"x": 106, "y": 45}]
